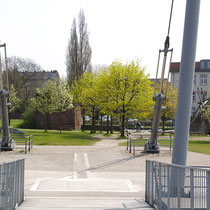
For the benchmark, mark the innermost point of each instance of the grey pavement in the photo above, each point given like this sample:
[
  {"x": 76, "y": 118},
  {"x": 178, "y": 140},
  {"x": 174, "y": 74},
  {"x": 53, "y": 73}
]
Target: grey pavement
[{"x": 104, "y": 176}]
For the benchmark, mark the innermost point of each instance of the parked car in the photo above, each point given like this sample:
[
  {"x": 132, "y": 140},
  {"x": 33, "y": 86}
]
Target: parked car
[
  {"x": 104, "y": 118},
  {"x": 87, "y": 118}
]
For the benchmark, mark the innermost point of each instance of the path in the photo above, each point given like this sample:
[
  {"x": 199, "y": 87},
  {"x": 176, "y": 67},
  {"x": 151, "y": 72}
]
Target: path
[
  {"x": 97, "y": 177},
  {"x": 100, "y": 177}
]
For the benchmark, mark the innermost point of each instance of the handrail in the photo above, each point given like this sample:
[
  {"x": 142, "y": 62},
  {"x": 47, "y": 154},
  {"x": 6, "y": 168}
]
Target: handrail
[
  {"x": 11, "y": 184},
  {"x": 26, "y": 140},
  {"x": 164, "y": 188}
]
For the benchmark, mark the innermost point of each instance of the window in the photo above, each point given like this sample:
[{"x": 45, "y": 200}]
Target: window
[
  {"x": 194, "y": 96},
  {"x": 208, "y": 64},
  {"x": 203, "y": 79},
  {"x": 202, "y": 64},
  {"x": 205, "y": 64}
]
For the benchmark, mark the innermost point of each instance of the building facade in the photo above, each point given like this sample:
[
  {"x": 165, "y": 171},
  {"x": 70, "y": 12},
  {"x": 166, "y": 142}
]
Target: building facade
[{"x": 201, "y": 81}]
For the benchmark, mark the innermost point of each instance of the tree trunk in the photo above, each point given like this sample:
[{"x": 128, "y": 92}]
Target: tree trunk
[
  {"x": 123, "y": 122},
  {"x": 101, "y": 124},
  {"x": 93, "y": 130},
  {"x": 9, "y": 115},
  {"x": 111, "y": 125},
  {"x": 163, "y": 121},
  {"x": 83, "y": 117},
  {"x": 45, "y": 121},
  {"x": 107, "y": 124}
]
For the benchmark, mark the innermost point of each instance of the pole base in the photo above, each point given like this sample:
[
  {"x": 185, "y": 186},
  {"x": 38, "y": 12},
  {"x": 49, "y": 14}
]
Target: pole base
[
  {"x": 152, "y": 147},
  {"x": 6, "y": 146}
]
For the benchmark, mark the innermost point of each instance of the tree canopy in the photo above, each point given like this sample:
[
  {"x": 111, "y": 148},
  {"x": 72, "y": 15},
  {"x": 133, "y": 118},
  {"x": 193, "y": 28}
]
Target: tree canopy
[
  {"x": 78, "y": 56},
  {"x": 123, "y": 90}
]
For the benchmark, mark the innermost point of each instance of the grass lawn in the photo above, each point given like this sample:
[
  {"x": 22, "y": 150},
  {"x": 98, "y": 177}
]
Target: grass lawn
[
  {"x": 65, "y": 138},
  {"x": 53, "y": 137},
  {"x": 15, "y": 123},
  {"x": 200, "y": 146}
]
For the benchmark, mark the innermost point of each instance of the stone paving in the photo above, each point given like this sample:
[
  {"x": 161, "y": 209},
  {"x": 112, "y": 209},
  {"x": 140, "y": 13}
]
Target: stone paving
[{"x": 104, "y": 176}]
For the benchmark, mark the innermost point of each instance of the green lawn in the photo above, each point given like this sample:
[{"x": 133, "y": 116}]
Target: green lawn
[
  {"x": 15, "y": 123},
  {"x": 53, "y": 137},
  {"x": 201, "y": 146},
  {"x": 65, "y": 138}
]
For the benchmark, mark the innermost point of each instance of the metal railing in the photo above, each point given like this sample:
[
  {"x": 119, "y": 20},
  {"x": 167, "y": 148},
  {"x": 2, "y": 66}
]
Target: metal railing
[
  {"x": 25, "y": 141},
  {"x": 11, "y": 184},
  {"x": 134, "y": 145},
  {"x": 170, "y": 186}
]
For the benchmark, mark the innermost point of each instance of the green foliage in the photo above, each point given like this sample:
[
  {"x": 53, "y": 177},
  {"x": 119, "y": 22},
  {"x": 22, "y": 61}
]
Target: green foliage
[
  {"x": 51, "y": 98},
  {"x": 85, "y": 94},
  {"x": 45, "y": 102},
  {"x": 125, "y": 90},
  {"x": 14, "y": 100},
  {"x": 126, "y": 86},
  {"x": 29, "y": 120},
  {"x": 84, "y": 91},
  {"x": 64, "y": 98},
  {"x": 206, "y": 112},
  {"x": 170, "y": 103}
]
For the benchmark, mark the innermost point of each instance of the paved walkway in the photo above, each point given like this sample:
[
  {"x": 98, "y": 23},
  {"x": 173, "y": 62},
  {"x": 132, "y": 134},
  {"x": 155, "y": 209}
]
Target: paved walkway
[{"x": 100, "y": 177}]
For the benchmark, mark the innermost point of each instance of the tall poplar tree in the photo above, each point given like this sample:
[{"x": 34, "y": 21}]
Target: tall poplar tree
[
  {"x": 78, "y": 57},
  {"x": 72, "y": 55}
]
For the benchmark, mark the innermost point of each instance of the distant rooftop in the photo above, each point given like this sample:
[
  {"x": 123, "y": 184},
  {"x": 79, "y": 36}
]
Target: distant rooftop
[
  {"x": 41, "y": 75},
  {"x": 201, "y": 66}
]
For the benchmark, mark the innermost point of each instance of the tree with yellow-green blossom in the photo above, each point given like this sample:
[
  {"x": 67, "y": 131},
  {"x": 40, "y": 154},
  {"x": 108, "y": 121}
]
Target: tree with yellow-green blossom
[
  {"x": 85, "y": 94},
  {"x": 125, "y": 90},
  {"x": 51, "y": 98}
]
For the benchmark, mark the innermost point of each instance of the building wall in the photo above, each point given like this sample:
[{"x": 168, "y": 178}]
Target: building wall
[
  {"x": 196, "y": 84},
  {"x": 69, "y": 120}
]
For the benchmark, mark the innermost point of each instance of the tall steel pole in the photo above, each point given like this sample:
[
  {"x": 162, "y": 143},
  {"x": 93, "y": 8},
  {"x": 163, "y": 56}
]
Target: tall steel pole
[
  {"x": 187, "y": 68},
  {"x": 1, "y": 81},
  {"x": 6, "y": 141},
  {"x": 6, "y": 65}
]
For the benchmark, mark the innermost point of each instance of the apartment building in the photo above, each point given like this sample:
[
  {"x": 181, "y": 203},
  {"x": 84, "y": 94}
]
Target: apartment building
[{"x": 201, "y": 80}]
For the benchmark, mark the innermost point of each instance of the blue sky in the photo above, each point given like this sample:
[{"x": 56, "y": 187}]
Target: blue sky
[{"x": 118, "y": 29}]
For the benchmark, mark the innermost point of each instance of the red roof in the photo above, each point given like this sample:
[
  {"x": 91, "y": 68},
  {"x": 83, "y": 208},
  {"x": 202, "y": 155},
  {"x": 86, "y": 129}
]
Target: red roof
[{"x": 175, "y": 66}]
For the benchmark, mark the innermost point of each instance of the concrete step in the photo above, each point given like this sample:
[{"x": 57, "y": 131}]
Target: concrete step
[{"x": 83, "y": 203}]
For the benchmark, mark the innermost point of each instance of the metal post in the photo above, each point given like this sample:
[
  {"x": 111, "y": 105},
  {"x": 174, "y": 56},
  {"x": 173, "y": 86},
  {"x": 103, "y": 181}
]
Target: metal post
[
  {"x": 208, "y": 189},
  {"x": 25, "y": 145},
  {"x": 1, "y": 83},
  {"x": 29, "y": 144},
  {"x": 187, "y": 68},
  {"x": 5, "y": 120},
  {"x": 192, "y": 188},
  {"x": 6, "y": 64},
  {"x": 127, "y": 141},
  {"x": 160, "y": 187}
]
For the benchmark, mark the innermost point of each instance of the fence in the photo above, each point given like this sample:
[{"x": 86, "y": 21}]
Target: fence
[
  {"x": 170, "y": 186},
  {"x": 134, "y": 145},
  {"x": 25, "y": 141},
  {"x": 11, "y": 184}
]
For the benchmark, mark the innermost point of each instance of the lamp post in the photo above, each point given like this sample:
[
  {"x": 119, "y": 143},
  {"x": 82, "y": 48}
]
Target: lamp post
[{"x": 6, "y": 142}]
